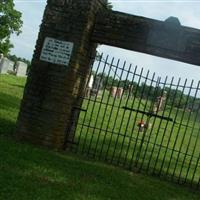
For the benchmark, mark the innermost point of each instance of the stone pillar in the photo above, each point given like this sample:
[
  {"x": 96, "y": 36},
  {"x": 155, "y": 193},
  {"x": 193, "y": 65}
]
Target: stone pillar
[{"x": 57, "y": 78}]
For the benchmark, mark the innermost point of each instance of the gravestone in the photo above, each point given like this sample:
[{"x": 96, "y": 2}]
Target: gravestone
[
  {"x": 119, "y": 92},
  {"x": 113, "y": 91},
  {"x": 4, "y": 64},
  {"x": 21, "y": 69},
  {"x": 130, "y": 91},
  {"x": 97, "y": 86},
  {"x": 160, "y": 103},
  {"x": 1, "y": 56},
  {"x": 116, "y": 92},
  {"x": 11, "y": 65},
  {"x": 89, "y": 86}
]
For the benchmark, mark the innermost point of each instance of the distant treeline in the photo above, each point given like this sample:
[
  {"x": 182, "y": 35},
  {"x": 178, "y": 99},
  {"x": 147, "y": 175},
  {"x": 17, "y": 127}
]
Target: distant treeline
[{"x": 176, "y": 97}]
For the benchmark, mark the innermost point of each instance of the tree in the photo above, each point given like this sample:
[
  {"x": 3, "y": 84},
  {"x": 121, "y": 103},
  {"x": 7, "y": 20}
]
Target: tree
[
  {"x": 109, "y": 5},
  {"x": 10, "y": 22}
]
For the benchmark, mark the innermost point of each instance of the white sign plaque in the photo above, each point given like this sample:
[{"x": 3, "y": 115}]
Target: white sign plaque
[{"x": 56, "y": 51}]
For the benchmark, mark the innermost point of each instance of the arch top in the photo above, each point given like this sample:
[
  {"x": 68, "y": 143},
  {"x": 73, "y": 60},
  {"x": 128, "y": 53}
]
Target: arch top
[{"x": 167, "y": 39}]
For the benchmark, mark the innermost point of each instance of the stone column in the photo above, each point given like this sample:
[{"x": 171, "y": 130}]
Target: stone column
[{"x": 60, "y": 65}]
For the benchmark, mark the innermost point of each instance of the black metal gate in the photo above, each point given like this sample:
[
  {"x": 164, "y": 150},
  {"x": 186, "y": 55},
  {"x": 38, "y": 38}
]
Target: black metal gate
[{"x": 141, "y": 122}]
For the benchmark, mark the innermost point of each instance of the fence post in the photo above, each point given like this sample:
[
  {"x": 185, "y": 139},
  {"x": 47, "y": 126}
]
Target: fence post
[{"x": 58, "y": 72}]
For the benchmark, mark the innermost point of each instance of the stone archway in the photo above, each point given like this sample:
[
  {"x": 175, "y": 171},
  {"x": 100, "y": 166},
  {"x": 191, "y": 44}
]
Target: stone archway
[{"x": 67, "y": 40}]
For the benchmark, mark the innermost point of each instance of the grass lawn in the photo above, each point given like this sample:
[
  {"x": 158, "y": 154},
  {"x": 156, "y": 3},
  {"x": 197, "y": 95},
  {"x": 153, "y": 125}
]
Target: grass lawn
[
  {"x": 28, "y": 172},
  {"x": 11, "y": 91}
]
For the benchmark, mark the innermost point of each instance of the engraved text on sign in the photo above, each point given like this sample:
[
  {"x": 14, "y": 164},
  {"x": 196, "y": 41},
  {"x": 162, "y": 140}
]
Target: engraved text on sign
[{"x": 56, "y": 51}]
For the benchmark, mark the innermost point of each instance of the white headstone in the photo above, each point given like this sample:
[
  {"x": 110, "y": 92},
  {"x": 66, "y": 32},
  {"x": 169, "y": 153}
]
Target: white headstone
[
  {"x": 1, "y": 56},
  {"x": 21, "y": 68},
  {"x": 4, "y": 63},
  {"x": 91, "y": 81},
  {"x": 11, "y": 66}
]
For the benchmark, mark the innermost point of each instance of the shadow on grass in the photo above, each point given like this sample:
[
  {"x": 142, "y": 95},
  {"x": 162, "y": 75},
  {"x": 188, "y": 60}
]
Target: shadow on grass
[
  {"x": 9, "y": 106},
  {"x": 6, "y": 127},
  {"x": 27, "y": 172},
  {"x": 8, "y": 102}
]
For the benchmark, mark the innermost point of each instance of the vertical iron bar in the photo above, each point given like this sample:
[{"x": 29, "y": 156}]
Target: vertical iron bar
[
  {"x": 195, "y": 145},
  {"x": 150, "y": 109},
  {"x": 99, "y": 111},
  {"x": 145, "y": 131},
  {"x": 196, "y": 166},
  {"x": 86, "y": 134},
  {"x": 194, "y": 122},
  {"x": 162, "y": 139},
  {"x": 171, "y": 108},
  {"x": 135, "y": 96},
  {"x": 148, "y": 141},
  {"x": 115, "y": 72},
  {"x": 112, "y": 110},
  {"x": 115, "y": 121},
  {"x": 145, "y": 106},
  {"x": 172, "y": 129},
  {"x": 88, "y": 103},
  {"x": 138, "y": 132},
  {"x": 130, "y": 114},
  {"x": 155, "y": 141},
  {"x": 156, "y": 92},
  {"x": 74, "y": 121},
  {"x": 198, "y": 184},
  {"x": 177, "y": 160},
  {"x": 123, "y": 116}
]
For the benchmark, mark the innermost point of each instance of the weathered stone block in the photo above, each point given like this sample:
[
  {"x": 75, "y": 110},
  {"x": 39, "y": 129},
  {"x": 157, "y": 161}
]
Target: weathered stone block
[{"x": 53, "y": 86}]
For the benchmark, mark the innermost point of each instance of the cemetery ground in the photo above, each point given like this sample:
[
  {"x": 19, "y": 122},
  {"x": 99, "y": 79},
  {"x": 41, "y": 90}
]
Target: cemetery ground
[{"x": 28, "y": 172}]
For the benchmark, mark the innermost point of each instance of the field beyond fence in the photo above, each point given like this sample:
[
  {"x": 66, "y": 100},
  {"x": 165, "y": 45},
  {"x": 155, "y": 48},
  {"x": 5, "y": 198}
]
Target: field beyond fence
[{"x": 108, "y": 130}]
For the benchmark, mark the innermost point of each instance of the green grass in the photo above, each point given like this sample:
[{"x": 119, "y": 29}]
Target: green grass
[
  {"x": 28, "y": 172},
  {"x": 11, "y": 91}
]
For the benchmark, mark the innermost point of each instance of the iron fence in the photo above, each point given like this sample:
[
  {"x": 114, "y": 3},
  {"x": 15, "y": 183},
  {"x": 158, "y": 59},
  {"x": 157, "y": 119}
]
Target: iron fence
[{"x": 141, "y": 122}]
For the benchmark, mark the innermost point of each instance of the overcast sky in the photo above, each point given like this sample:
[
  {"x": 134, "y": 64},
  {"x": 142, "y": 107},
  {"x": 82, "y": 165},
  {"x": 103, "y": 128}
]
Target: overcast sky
[{"x": 188, "y": 13}]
